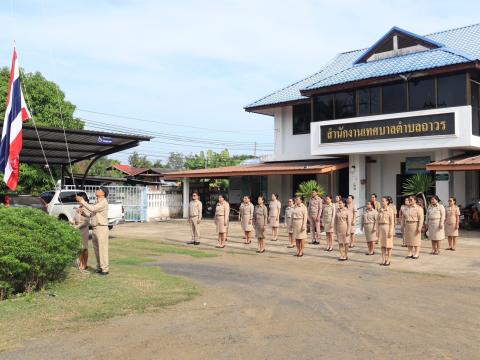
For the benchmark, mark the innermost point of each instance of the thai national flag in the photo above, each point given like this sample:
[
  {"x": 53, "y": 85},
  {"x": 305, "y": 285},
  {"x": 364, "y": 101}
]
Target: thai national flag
[{"x": 15, "y": 114}]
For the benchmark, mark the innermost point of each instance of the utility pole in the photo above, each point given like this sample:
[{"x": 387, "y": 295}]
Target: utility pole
[
  {"x": 206, "y": 159},
  {"x": 255, "y": 149}
]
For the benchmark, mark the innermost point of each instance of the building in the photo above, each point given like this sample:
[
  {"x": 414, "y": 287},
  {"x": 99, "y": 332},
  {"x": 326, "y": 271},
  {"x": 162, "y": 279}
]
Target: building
[
  {"x": 154, "y": 178},
  {"x": 375, "y": 116}
]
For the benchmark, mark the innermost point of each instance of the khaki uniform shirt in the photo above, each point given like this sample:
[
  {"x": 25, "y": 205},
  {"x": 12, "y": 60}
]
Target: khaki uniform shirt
[
  {"x": 315, "y": 207},
  {"x": 414, "y": 214},
  {"x": 195, "y": 209},
  {"x": 99, "y": 212}
]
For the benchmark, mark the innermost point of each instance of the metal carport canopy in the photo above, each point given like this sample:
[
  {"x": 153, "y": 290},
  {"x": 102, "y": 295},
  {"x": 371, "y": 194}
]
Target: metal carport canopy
[{"x": 82, "y": 144}]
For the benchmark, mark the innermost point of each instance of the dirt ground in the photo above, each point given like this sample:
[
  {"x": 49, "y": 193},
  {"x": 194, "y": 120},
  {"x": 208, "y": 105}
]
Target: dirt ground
[{"x": 277, "y": 306}]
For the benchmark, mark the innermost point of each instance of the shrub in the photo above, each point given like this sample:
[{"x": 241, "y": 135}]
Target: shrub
[
  {"x": 35, "y": 248},
  {"x": 306, "y": 188}
]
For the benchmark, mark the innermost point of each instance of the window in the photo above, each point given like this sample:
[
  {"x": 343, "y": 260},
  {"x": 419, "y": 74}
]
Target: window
[
  {"x": 344, "y": 105},
  {"x": 394, "y": 98},
  {"x": 375, "y": 100},
  {"x": 421, "y": 94},
  {"x": 68, "y": 197},
  {"x": 363, "y": 102},
  {"x": 323, "y": 107},
  {"x": 451, "y": 90},
  {"x": 301, "y": 119}
]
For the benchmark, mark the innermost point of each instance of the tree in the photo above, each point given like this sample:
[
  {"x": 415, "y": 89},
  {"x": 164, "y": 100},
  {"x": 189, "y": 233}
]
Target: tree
[
  {"x": 139, "y": 161},
  {"x": 44, "y": 98},
  {"x": 46, "y": 102},
  {"x": 213, "y": 159},
  {"x": 158, "y": 164},
  {"x": 418, "y": 184},
  {"x": 306, "y": 188},
  {"x": 176, "y": 160}
]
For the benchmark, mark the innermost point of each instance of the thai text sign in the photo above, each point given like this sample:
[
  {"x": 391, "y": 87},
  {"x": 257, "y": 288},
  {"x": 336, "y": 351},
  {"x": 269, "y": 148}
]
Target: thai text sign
[{"x": 423, "y": 125}]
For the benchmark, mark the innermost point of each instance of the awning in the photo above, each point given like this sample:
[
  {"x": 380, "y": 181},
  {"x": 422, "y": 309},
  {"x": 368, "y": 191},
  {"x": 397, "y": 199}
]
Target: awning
[
  {"x": 82, "y": 144},
  {"x": 262, "y": 169},
  {"x": 463, "y": 162}
]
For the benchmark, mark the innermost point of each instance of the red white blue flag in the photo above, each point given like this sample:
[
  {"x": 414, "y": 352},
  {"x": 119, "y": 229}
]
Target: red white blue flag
[{"x": 12, "y": 141}]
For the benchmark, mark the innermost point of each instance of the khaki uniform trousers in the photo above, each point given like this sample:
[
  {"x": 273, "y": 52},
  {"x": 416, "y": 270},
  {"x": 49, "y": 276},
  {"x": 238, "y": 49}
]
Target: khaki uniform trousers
[
  {"x": 195, "y": 228},
  {"x": 100, "y": 246}
]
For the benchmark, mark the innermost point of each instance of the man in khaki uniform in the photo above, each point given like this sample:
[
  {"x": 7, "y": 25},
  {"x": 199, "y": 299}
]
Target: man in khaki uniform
[
  {"x": 99, "y": 216},
  {"x": 194, "y": 218},
  {"x": 315, "y": 207}
]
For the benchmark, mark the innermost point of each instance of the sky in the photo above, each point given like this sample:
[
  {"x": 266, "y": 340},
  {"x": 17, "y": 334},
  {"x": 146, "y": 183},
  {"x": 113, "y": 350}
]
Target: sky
[{"x": 182, "y": 71}]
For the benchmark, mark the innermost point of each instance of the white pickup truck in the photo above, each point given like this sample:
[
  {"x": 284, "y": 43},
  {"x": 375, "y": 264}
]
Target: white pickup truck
[{"x": 62, "y": 205}]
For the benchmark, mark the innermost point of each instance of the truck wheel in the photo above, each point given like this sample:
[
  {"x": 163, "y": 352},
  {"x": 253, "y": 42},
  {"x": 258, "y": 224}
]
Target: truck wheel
[
  {"x": 62, "y": 218},
  {"x": 110, "y": 227}
]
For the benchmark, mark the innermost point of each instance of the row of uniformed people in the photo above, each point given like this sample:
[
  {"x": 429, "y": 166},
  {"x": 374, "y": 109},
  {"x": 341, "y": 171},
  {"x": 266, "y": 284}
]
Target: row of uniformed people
[{"x": 338, "y": 218}]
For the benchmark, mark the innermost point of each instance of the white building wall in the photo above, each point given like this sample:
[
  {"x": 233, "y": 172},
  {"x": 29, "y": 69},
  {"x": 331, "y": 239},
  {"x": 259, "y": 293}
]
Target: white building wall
[{"x": 289, "y": 146}]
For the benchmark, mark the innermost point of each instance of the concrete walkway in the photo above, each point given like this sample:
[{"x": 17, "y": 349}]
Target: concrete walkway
[{"x": 464, "y": 261}]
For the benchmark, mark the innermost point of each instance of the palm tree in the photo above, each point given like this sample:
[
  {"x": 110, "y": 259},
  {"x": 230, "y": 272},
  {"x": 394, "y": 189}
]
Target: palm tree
[
  {"x": 306, "y": 188},
  {"x": 418, "y": 184}
]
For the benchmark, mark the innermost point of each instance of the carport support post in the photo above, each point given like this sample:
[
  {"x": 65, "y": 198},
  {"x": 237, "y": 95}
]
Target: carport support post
[
  {"x": 186, "y": 196},
  {"x": 357, "y": 171}
]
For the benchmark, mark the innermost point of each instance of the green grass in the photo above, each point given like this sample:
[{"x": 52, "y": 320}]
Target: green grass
[{"x": 83, "y": 298}]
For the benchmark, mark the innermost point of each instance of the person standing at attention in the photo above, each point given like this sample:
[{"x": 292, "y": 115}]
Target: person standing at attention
[
  {"x": 299, "y": 217},
  {"x": 245, "y": 217},
  {"x": 352, "y": 207},
  {"x": 343, "y": 222},
  {"x": 315, "y": 206},
  {"x": 435, "y": 224},
  {"x": 100, "y": 232},
  {"x": 402, "y": 219},
  {"x": 288, "y": 222},
  {"x": 194, "y": 217},
  {"x": 370, "y": 224},
  {"x": 393, "y": 209},
  {"x": 274, "y": 209},
  {"x": 222, "y": 211},
  {"x": 452, "y": 221},
  {"x": 81, "y": 222},
  {"x": 328, "y": 221},
  {"x": 386, "y": 229},
  {"x": 413, "y": 228},
  {"x": 260, "y": 219}
]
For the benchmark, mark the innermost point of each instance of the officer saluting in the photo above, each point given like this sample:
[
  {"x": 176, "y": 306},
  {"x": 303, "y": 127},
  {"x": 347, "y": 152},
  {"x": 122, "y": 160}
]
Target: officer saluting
[{"x": 99, "y": 216}]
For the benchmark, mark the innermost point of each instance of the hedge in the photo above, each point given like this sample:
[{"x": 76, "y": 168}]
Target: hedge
[{"x": 35, "y": 249}]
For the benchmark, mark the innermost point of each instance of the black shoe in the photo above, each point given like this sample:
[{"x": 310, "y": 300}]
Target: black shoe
[
  {"x": 191, "y": 243},
  {"x": 98, "y": 271},
  {"x": 196, "y": 243},
  {"x": 103, "y": 273}
]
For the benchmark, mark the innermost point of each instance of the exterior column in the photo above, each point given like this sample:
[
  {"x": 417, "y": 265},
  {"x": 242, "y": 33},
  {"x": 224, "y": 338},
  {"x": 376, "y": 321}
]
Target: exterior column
[
  {"x": 442, "y": 178},
  {"x": 186, "y": 196},
  {"x": 357, "y": 184}
]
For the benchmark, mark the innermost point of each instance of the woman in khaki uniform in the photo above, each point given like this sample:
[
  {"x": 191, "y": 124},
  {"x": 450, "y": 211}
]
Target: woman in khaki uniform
[
  {"x": 82, "y": 223},
  {"x": 386, "y": 230},
  {"x": 328, "y": 221},
  {"x": 260, "y": 219},
  {"x": 353, "y": 209},
  {"x": 413, "y": 228},
  {"x": 274, "y": 208},
  {"x": 343, "y": 223},
  {"x": 299, "y": 225},
  {"x": 245, "y": 217},
  {"x": 222, "y": 211},
  {"x": 435, "y": 222},
  {"x": 402, "y": 220},
  {"x": 370, "y": 222},
  {"x": 289, "y": 222},
  {"x": 452, "y": 221}
]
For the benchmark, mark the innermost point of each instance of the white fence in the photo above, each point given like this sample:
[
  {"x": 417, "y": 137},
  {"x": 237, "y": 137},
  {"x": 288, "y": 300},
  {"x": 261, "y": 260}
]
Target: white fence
[{"x": 140, "y": 203}]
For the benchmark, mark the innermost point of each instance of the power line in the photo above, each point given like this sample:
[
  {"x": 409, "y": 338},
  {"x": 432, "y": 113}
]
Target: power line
[
  {"x": 172, "y": 137},
  {"x": 164, "y": 123}
]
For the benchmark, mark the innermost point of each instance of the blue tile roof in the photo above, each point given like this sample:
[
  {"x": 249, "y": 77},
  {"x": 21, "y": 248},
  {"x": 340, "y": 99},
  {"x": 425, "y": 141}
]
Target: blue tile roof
[{"x": 458, "y": 46}]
